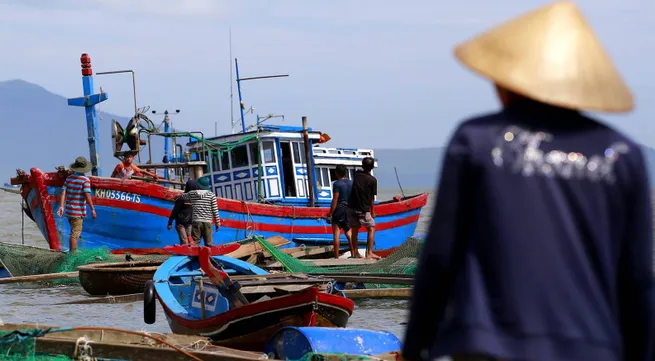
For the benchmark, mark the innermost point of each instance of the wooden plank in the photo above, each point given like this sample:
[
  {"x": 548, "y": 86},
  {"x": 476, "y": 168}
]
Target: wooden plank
[
  {"x": 272, "y": 289},
  {"x": 110, "y": 350},
  {"x": 252, "y": 259},
  {"x": 330, "y": 262},
  {"x": 290, "y": 281},
  {"x": 402, "y": 293},
  {"x": 109, "y": 299},
  {"x": 299, "y": 252},
  {"x": 389, "y": 356},
  {"x": 312, "y": 251},
  {"x": 37, "y": 278},
  {"x": 381, "y": 279},
  {"x": 253, "y": 247},
  {"x": 121, "y": 345}
]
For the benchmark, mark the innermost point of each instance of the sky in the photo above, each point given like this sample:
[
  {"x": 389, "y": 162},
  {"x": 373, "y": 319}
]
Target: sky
[{"x": 371, "y": 74}]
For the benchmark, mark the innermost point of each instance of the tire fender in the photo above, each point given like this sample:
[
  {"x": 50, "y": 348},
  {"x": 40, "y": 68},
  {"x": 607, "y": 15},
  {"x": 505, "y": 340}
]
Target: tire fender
[{"x": 149, "y": 302}]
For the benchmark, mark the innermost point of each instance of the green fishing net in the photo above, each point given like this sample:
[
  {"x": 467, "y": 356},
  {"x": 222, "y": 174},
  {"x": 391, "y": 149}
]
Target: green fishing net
[
  {"x": 402, "y": 261},
  {"x": 22, "y": 347},
  {"x": 21, "y": 260}
]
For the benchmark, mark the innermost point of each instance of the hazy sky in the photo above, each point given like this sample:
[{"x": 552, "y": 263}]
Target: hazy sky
[{"x": 370, "y": 73}]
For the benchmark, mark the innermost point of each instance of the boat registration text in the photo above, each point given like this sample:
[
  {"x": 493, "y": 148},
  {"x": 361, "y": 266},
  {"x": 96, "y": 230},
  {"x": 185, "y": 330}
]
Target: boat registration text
[{"x": 117, "y": 195}]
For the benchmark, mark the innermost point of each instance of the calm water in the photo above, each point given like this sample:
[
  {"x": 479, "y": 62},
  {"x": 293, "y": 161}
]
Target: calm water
[{"x": 34, "y": 304}]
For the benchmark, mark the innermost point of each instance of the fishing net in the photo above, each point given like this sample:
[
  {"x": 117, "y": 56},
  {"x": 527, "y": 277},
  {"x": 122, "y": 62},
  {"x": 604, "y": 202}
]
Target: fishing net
[
  {"x": 20, "y": 260},
  {"x": 20, "y": 345},
  {"x": 402, "y": 261}
]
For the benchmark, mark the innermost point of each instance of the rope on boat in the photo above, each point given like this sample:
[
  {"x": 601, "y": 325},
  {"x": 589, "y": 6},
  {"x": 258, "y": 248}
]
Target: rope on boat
[
  {"x": 22, "y": 220},
  {"x": 83, "y": 352},
  {"x": 19, "y": 336}
]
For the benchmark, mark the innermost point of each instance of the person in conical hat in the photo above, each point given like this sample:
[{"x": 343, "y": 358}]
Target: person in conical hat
[{"x": 540, "y": 244}]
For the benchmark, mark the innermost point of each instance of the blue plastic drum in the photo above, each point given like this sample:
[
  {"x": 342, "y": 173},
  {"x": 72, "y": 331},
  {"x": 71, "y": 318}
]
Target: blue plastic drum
[{"x": 292, "y": 343}]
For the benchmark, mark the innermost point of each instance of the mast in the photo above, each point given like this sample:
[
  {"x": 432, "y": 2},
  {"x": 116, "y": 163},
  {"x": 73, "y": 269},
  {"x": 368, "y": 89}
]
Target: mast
[
  {"x": 89, "y": 101},
  {"x": 241, "y": 106},
  {"x": 239, "y": 80},
  {"x": 231, "y": 89}
]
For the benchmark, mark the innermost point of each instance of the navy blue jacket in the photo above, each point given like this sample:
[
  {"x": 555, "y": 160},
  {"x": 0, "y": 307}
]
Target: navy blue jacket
[{"x": 540, "y": 246}]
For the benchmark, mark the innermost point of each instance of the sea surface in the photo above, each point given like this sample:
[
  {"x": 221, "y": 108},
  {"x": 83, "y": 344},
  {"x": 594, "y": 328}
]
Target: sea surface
[{"x": 35, "y": 304}]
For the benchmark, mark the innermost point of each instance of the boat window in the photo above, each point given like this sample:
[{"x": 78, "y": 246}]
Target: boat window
[
  {"x": 215, "y": 162},
  {"x": 254, "y": 153},
  {"x": 225, "y": 161},
  {"x": 269, "y": 152},
  {"x": 298, "y": 153},
  {"x": 239, "y": 156},
  {"x": 351, "y": 173},
  {"x": 325, "y": 175}
]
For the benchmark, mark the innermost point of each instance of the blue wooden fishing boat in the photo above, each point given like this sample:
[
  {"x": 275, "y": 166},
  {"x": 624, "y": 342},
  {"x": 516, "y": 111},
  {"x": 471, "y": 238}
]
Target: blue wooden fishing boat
[
  {"x": 196, "y": 289},
  {"x": 270, "y": 180}
]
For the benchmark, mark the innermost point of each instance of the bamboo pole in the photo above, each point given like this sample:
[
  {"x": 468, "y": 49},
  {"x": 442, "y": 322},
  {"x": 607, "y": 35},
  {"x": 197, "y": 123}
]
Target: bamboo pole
[{"x": 37, "y": 278}]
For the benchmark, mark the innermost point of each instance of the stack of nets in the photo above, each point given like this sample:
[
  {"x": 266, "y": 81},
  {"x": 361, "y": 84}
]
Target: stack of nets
[
  {"x": 22, "y": 260},
  {"x": 402, "y": 261}
]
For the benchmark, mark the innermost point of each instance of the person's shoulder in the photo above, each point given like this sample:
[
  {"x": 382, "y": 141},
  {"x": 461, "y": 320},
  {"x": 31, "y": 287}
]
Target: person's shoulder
[
  {"x": 370, "y": 177},
  {"x": 619, "y": 142}
]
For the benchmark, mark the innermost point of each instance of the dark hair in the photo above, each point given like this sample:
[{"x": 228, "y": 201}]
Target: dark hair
[
  {"x": 341, "y": 171},
  {"x": 368, "y": 163},
  {"x": 191, "y": 185}
]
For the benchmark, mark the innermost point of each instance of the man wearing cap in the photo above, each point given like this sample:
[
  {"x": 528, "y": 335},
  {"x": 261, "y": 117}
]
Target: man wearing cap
[
  {"x": 205, "y": 208},
  {"x": 540, "y": 245},
  {"x": 75, "y": 194}
]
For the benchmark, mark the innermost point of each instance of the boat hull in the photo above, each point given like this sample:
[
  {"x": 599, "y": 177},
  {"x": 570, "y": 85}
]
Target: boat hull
[
  {"x": 250, "y": 327},
  {"x": 133, "y": 215},
  {"x": 123, "y": 278}
]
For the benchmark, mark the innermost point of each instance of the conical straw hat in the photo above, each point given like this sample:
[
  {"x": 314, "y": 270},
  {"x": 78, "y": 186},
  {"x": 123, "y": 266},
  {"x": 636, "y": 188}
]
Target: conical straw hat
[{"x": 550, "y": 55}]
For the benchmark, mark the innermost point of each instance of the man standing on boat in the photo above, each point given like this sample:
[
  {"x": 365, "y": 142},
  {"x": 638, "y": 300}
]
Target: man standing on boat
[
  {"x": 361, "y": 209},
  {"x": 540, "y": 245},
  {"x": 75, "y": 194},
  {"x": 339, "y": 209},
  {"x": 126, "y": 169},
  {"x": 182, "y": 213},
  {"x": 205, "y": 209}
]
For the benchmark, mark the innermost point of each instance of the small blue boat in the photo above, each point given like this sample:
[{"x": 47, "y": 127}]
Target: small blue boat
[{"x": 199, "y": 298}]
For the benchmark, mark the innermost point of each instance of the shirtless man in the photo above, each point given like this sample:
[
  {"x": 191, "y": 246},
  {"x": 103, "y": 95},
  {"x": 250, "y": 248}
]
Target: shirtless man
[{"x": 126, "y": 169}]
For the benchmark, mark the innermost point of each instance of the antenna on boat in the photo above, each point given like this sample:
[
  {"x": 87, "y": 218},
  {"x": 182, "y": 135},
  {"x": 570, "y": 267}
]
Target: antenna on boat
[
  {"x": 261, "y": 120},
  {"x": 136, "y": 109},
  {"x": 168, "y": 125},
  {"x": 239, "y": 80},
  {"x": 231, "y": 92},
  {"x": 398, "y": 180}
]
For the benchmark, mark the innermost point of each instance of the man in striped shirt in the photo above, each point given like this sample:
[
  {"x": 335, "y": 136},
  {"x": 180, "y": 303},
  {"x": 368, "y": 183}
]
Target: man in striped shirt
[
  {"x": 205, "y": 208},
  {"x": 75, "y": 194}
]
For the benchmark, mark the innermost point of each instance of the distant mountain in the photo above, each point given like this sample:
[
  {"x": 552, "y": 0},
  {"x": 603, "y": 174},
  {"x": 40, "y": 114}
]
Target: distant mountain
[{"x": 41, "y": 130}]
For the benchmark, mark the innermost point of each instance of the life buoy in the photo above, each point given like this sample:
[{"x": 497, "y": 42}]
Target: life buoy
[{"x": 149, "y": 302}]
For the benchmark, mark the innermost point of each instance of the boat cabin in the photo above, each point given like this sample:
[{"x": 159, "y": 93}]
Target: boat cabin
[{"x": 234, "y": 162}]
